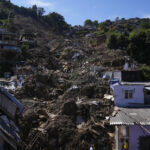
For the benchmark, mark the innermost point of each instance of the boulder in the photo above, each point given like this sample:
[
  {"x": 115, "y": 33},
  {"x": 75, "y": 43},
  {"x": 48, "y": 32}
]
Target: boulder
[{"x": 69, "y": 108}]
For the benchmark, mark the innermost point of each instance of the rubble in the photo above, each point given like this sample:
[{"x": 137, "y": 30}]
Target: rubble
[
  {"x": 68, "y": 101},
  {"x": 69, "y": 108}
]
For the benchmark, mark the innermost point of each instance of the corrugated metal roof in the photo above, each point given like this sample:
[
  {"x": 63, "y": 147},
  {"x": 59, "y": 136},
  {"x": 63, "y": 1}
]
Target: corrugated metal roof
[
  {"x": 131, "y": 116},
  {"x": 14, "y": 100},
  {"x": 135, "y": 83}
]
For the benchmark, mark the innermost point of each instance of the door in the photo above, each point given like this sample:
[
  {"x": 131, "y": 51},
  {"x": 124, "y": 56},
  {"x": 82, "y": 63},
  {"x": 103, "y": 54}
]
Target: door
[
  {"x": 147, "y": 97},
  {"x": 145, "y": 143}
]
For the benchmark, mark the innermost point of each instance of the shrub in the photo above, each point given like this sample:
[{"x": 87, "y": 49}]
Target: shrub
[
  {"x": 25, "y": 54},
  {"x": 103, "y": 28},
  {"x": 146, "y": 72},
  {"x": 138, "y": 47},
  {"x": 145, "y": 23},
  {"x": 112, "y": 40},
  {"x": 56, "y": 21}
]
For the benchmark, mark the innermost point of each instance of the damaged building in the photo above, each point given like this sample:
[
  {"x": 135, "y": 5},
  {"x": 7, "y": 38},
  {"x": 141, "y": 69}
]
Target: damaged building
[
  {"x": 131, "y": 116},
  {"x": 28, "y": 38},
  {"x": 9, "y": 52},
  {"x": 9, "y": 41},
  {"x": 10, "y": 109}
]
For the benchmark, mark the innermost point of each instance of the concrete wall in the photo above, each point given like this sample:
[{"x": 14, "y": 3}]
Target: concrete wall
[
  {"x": 119, "y": 95},
  {"x": 135, "y": 132}
]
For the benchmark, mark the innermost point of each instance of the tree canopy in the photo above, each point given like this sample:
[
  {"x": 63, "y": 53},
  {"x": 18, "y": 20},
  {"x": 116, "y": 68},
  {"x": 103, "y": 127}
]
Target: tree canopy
[
  {"x": 56, "y": 21},
  {"x": 89, "y": 22}
]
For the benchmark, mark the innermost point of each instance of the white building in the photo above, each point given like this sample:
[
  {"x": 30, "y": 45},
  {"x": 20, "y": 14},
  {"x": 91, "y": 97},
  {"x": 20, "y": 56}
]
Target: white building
[
  {"x": 131, "y": 116},
  {"x": 131, "y": 94}
]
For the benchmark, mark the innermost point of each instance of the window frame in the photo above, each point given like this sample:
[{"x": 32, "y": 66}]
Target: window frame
[{"x": 128, "y": 94}]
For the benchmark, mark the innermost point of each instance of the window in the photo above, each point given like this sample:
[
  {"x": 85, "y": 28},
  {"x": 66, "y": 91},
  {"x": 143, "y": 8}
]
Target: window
[{"x": 128, "y": 94}]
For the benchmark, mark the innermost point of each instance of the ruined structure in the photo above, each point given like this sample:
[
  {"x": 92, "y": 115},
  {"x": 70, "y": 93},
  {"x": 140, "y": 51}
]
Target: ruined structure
[
  {"x": 9, "y": 52},
  {"x": 28, "y": 38},
  {"x": 8, "y": 41},
  {"x": 10, "y": 109}
]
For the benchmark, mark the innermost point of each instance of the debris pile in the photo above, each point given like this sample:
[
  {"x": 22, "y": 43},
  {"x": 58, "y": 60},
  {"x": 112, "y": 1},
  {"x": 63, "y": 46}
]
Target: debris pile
[
  {"x": 63, "y": 90},
  {"x": 66, "y": 100}
]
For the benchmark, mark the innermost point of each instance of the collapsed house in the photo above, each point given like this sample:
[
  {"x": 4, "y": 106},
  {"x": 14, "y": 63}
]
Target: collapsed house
[
  {"x": 9, "y": 52},
  {"x": 9, "y": 41},
  {"x": 131, "y": 116},
  {"x": 10, "y": 109},
  {"x": 28, "y": 38}
]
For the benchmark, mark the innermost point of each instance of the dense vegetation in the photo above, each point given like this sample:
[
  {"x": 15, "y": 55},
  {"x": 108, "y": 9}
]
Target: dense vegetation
[
  {"x": 146, "y": 72},
  {"x": 89, "y": 22},
  {"x": 130, "y": 36},
  {"x": 8, "y": 11}
]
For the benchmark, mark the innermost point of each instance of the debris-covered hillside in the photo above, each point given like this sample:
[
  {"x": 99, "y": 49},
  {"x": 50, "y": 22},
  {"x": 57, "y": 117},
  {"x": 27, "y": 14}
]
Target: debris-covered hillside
[
  {"x": 63, "y": 88},
  {"x": 64, "y": 93}
]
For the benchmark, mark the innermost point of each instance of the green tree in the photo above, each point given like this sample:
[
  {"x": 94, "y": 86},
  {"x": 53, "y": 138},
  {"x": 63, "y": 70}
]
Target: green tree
[
  {"x": 56, "y": 21},
  {"x": 112, "y": 40},
  {"x": 146, "y": 72},
  {"x": 102, "y": 27},
  {"x": 122, "y": 41},
  {"x": 34, "y": 8},
  {"x": 95, "y": 23},
  {"x": 25, "y": 54},
  {"x": 138, "y": 47},
  {"x": 128, "y": 27},
  {"x": 88, "y": 22},
  {"x": 40, "y": 11},
  {"x": 145, "y": 23}
]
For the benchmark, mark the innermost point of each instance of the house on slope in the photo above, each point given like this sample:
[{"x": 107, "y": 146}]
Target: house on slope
[
  {"x": 131, "y": 116},
  {"x": 9, "y": 52},
  {"x": 9, "y": 41},
  {"x": 28, "y": 38},
  {"x": 10, "y": 109}
]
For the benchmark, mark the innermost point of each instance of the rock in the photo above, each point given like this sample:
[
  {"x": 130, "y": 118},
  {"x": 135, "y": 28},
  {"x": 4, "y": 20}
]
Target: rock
[
  {"x": 42, "y": 118},
  {"x": 30, "y": 115},
  {"x": 42, "y": 112},
  {"x": 69, "y": 108}
]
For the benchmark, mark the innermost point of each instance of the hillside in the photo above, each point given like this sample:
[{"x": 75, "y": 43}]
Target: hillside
[{"x": 63, "y": 86}]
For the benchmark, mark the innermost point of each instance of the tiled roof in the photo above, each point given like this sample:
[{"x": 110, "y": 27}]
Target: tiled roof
[{"x": 131, "y": 116}]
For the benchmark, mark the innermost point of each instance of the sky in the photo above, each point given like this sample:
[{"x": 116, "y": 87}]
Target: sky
[{"x": 76, "y": 12}]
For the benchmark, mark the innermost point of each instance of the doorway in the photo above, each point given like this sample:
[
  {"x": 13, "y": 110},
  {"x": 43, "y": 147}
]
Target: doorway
[{"x": 145, "y": 143}]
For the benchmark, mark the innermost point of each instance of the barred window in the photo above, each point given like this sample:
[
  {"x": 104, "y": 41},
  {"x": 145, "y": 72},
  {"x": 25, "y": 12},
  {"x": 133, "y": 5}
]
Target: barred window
[{"x": 128, "y": 94}]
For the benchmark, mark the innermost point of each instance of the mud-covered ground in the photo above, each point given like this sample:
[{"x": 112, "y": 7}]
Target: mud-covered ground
[{"x": 63, "y": 92}]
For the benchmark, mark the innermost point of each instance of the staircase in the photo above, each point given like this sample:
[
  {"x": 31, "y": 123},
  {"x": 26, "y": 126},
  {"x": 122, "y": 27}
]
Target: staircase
[{"x": 33, "y": 141}]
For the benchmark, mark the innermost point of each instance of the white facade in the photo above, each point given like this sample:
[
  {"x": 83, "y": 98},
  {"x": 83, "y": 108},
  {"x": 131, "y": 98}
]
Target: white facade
[{"x": 120, "y": 98}]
